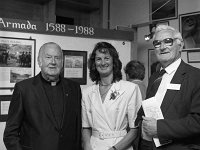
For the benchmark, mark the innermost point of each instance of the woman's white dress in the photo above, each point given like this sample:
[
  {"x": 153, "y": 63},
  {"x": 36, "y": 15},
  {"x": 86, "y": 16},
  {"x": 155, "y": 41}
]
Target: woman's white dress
[{"x": 112, "y": 114}]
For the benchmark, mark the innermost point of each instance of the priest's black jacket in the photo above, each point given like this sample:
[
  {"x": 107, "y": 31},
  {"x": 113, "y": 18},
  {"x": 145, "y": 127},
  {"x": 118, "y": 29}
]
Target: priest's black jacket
[{"x": 31, "y": 123}]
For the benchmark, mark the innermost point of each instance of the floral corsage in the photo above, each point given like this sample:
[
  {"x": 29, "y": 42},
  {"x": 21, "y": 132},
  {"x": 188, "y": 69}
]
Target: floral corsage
[{"x": 113, "y": 95}]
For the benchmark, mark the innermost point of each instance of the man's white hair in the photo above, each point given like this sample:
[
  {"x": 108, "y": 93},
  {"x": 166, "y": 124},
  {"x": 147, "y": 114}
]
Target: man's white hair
[{"x": 176, "y": 33}]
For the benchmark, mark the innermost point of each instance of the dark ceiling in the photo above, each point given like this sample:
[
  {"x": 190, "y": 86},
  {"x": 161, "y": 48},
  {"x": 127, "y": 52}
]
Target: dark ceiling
[
  {"x": 80, "y": 5},
  {"x": 45, "y": 1}
]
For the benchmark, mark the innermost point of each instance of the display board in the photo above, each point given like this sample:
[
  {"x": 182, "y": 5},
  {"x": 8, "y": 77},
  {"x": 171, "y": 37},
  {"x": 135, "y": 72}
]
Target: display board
[
  {"x": 77, "y": 43},
  {"x": 24, "y": 38},
  {"x": 72, "y": 44}
]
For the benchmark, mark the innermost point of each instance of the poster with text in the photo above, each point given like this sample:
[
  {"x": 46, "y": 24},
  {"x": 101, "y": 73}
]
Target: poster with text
[{"x": 17, "y": 57}]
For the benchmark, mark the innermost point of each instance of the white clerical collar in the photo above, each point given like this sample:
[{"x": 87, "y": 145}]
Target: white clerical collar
[{"x": 53, "y": 83}]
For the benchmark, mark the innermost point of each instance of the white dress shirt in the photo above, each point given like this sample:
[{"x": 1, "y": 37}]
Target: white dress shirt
[{"x": 166, "y": 79}]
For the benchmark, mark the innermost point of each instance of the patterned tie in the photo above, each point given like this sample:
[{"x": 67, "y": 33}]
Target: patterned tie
[{"x": 156, "y": 84}]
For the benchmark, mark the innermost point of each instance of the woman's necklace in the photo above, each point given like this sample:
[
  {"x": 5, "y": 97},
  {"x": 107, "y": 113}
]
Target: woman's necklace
[
  {"x": 102, "y": 93},
  {"x": 104, "y": 90},
  {"x": 101, "y": 84}
]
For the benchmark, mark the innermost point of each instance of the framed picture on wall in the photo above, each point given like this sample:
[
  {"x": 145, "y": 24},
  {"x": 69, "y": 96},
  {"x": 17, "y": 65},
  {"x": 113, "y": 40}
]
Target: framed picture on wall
[
  {"x": 163, "y": 9},
  {"x": 75, "y": 65},
  {"x": 190, "y": 29},
  {"x": 193, "y": 56},
  {"x": 17, "y": 60},
  {"x": 4, "y": 106},
  {"x": 153, "y": 63}
]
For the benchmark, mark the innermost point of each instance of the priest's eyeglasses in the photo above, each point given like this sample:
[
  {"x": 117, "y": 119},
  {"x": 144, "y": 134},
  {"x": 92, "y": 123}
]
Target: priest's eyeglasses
[{"x": 167, "y": 42}]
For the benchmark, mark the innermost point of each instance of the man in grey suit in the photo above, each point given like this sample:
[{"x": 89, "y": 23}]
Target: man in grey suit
[
  {"x": 45, "y": 111},
  {"x": 178, "y": 96}
]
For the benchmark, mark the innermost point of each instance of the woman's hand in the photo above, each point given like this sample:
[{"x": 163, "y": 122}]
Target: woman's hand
[
  {"x": 87, "y": 147},
  {"x": 86, "y": 134}
]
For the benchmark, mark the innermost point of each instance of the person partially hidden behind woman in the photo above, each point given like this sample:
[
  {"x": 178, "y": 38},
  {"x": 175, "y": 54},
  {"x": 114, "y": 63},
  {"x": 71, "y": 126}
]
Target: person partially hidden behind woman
[
  {"x": 135, "y": 72},
  {"x": 110, "y": 105}
]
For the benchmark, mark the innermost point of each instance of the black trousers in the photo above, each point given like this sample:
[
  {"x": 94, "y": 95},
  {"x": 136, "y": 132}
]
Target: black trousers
[{"x": 145, "y": 145}]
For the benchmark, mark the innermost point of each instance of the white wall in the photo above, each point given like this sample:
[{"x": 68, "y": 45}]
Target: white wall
[
  {"x": 66, "y": 43},
  {"x": 132, "y": 12}
]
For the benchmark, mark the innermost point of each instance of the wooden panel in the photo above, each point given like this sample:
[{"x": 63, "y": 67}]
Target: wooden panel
[
  {"x": 34, "y": 1},
  {"x": 21, "y": 10}
]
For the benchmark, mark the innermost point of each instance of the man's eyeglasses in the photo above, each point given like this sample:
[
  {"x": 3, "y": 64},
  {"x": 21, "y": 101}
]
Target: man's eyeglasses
[{"x": 167, "y": 42}]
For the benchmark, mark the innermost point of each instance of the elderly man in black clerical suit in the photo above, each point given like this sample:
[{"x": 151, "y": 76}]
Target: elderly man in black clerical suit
[
  {"x": 45, "y": 111},
  {"x": 177, "y": 96}
]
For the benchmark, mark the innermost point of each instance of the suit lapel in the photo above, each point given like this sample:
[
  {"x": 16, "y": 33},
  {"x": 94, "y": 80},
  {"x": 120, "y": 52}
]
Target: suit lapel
[
  {"x": 67, "y": 92},
  {"x": 170, "y": 94},
  {"x": 44, "y": 99},
  {"x": 96, "y": 102},
  {"x": 115, "y": 88},
  {"x": 99, "y": 107}
]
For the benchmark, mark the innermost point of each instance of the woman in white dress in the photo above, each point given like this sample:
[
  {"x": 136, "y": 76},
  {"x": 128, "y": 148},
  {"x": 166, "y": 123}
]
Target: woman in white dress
[{"x": 110, "y": 105}]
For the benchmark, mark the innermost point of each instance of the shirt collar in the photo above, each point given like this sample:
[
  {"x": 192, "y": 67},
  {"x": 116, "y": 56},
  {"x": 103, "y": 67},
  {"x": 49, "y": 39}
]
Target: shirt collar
[
  {"x": 49, "y": 82},
  {"x": 173, "y": 67}
]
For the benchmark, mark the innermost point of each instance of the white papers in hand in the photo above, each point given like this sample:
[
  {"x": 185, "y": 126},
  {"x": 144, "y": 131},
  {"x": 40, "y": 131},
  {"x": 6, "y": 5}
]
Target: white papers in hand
[{"x": 152, "y": 109}]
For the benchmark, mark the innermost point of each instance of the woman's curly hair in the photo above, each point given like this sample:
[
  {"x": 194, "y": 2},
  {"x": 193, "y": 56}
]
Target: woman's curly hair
[{"x": 117, "y": 65}]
